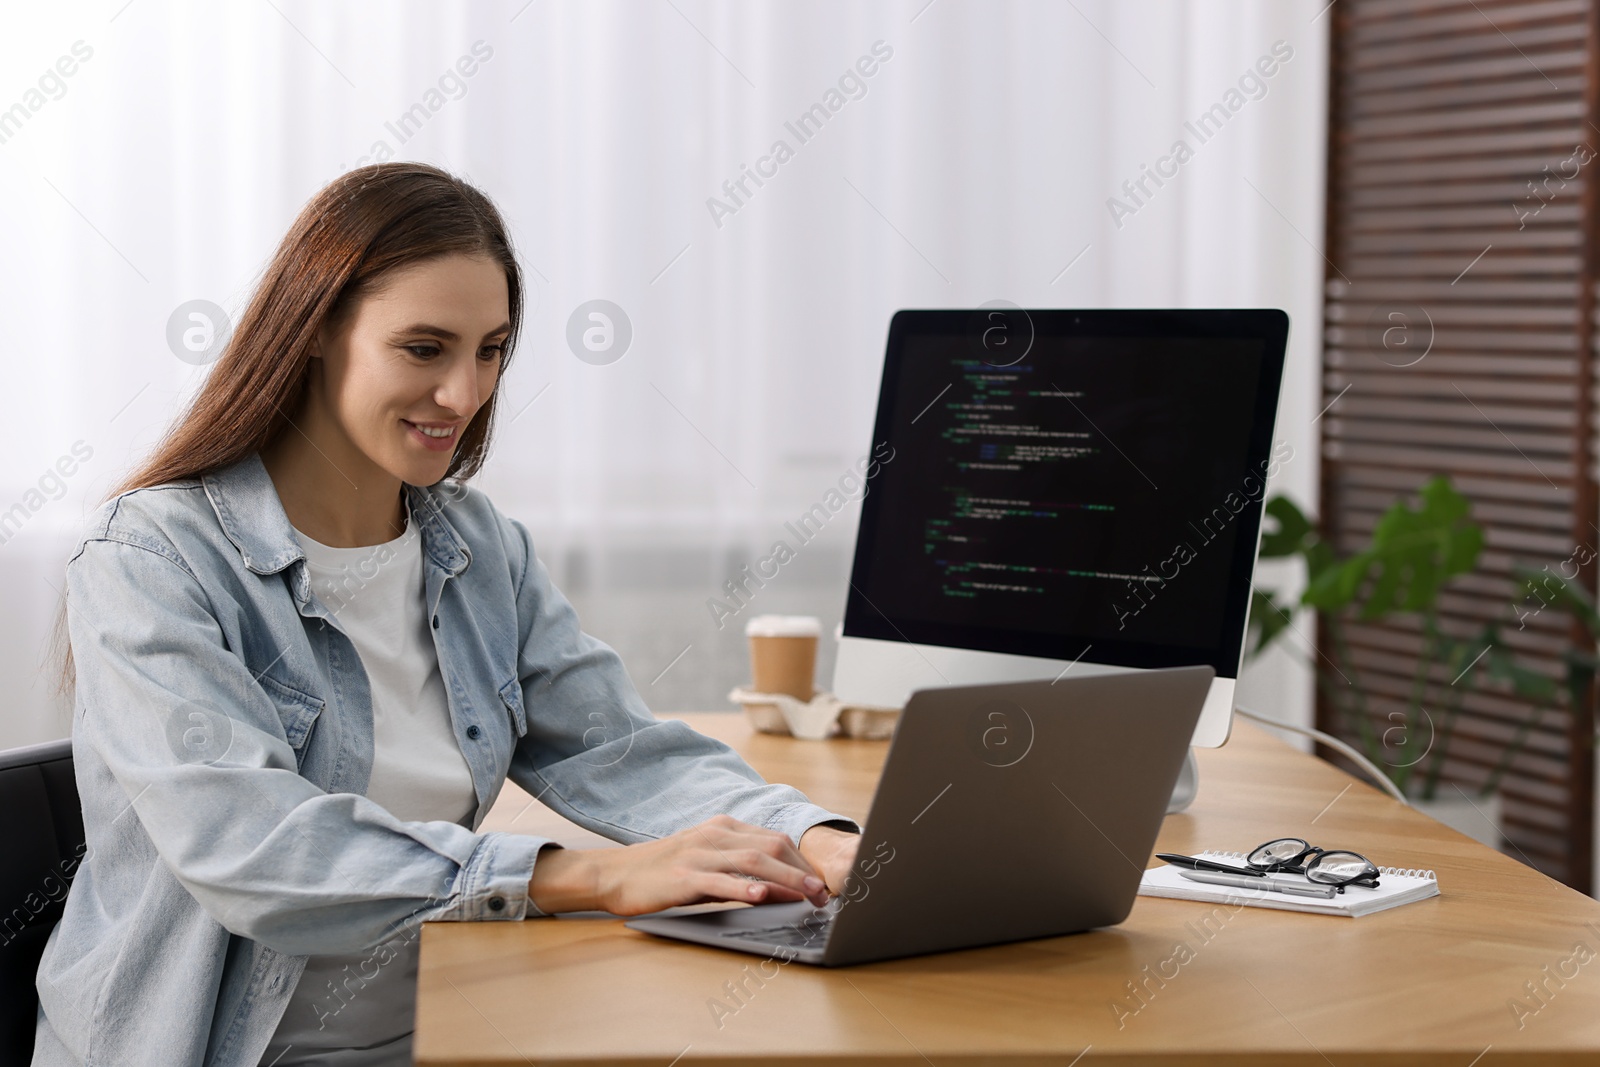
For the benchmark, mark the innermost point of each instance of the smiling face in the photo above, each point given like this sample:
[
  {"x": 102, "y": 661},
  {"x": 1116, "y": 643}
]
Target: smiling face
[{"x": 410, "y": 366}]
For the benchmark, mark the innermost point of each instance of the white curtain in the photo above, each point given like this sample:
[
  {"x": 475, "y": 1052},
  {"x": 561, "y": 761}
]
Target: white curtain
[{"x": 154, "y": 153}]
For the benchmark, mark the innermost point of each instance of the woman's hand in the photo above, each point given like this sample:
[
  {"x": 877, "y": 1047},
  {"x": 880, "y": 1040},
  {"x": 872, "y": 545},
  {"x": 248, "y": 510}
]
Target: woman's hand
[
  {"x": 831, "y": 852},
  {"x": 720, "y": 859}
]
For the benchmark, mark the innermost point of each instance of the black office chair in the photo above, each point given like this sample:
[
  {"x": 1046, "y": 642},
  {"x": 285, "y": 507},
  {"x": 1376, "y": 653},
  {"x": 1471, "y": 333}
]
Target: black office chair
[{"x": 43, "y": 838}]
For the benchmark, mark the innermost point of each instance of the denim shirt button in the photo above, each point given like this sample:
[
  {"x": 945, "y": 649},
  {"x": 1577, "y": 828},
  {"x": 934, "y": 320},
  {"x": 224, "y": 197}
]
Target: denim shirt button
[
  {"x": 436, "y": 622},
  {"x": 473, "y": 731},
  {"x": 496, "y": 903}
]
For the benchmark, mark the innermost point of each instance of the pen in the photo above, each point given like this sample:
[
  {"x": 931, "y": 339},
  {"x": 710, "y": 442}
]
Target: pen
[
  {"x": 1194, "y": 863},
  {"x": 1271, "y": 884}
]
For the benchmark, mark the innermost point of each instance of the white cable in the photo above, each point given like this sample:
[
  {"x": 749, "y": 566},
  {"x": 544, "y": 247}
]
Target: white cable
[{"x": 1332, "y": 742}]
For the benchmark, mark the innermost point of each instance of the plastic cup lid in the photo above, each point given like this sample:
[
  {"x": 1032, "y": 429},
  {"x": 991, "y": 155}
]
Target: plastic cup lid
[{"x": 784, "y": 626}]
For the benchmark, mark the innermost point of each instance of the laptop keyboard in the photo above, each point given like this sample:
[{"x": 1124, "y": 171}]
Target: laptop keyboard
[{"x": 810, "y": 932}]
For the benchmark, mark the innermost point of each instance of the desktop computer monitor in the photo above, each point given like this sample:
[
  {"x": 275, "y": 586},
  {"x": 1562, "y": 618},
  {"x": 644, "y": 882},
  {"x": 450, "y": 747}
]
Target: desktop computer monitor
[{"x": 1063, "y": 490}]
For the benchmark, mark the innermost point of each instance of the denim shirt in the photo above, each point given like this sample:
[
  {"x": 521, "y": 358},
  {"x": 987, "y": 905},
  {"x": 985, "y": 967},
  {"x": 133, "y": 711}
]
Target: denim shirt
[{"x": 223, "y": 737}]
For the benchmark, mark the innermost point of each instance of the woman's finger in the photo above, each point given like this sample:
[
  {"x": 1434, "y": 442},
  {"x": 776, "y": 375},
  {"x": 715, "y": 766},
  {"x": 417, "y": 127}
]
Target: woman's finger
[
  {"x": 772, "y": 842},
  {"x": 755, "y": 863},
  {"x": 717, "y": 885}
]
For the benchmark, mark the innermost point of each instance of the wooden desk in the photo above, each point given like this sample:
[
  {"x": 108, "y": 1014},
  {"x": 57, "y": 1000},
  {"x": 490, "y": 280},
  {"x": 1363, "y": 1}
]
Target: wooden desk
[{"x": 1428, "y": 983}]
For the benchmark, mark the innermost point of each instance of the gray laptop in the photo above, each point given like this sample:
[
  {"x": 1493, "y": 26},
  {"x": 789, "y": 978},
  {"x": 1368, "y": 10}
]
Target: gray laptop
[{"x": 1004, "y": 812}]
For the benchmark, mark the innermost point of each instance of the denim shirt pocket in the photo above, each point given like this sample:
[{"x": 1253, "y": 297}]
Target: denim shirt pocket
[
  {"x": 298, "y": 711},
  {"x": 511, "y": 696}
]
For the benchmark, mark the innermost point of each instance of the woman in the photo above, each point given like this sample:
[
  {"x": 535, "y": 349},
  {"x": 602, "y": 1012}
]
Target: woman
[{"x": 305, "y": 663}]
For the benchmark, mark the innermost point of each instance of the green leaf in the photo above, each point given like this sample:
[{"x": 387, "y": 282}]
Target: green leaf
[
  {"x": 1425, "y": 582},
  {"x": 1462, "y": 548},
  {"x": 1385, "y": 590},
  {"x": 1319, "y": 558},
  {"x": 1412, "y": 555},
  {"x": 1290, "y": 536},
  {"x": 1322, "y": 590},
  {"x": 1268, "y": 619}
]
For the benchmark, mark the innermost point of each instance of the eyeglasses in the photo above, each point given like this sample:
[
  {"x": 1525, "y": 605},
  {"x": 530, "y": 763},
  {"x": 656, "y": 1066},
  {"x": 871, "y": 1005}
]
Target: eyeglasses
[{"x": 1332, "y": 867}]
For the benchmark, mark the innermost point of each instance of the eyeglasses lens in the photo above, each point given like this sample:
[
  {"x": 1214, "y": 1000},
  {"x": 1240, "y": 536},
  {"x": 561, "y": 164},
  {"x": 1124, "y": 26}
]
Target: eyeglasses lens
[
  {"x": 1281, "y": 851},
  {"x": 1339, "y": 867}
]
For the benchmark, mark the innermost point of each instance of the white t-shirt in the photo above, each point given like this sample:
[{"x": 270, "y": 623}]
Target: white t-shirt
[{"x": 358, "y": 1009}]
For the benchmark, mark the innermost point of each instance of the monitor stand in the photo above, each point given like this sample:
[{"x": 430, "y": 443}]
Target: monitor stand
[{"x": 1188, "y": 784}]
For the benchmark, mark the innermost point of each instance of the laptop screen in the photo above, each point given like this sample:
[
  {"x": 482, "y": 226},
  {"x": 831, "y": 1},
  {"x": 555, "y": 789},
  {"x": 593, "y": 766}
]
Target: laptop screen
[{"x": 1066, "y": 483}]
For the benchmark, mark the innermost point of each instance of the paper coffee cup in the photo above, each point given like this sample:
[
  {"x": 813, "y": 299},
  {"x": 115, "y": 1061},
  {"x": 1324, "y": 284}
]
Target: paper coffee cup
[{"x": 783, "y": 654}]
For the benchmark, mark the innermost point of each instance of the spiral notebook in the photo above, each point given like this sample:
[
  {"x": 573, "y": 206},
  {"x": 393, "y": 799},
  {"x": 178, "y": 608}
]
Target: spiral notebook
[{"x": 1396, "y": 886}]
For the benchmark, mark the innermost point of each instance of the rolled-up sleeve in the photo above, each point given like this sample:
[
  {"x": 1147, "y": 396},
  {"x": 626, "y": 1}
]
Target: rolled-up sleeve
[
  {"x": 596, "y": 755},
  {"x": 200, "y": 753}
]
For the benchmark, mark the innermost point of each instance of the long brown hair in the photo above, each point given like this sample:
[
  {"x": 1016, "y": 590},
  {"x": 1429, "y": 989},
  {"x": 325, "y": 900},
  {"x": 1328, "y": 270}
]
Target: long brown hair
[{"x": 348, "y": 238}]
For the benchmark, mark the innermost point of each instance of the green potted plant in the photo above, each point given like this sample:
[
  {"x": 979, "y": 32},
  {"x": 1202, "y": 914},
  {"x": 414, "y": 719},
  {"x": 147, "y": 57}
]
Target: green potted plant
[{"x": 1412, "y": 556}]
